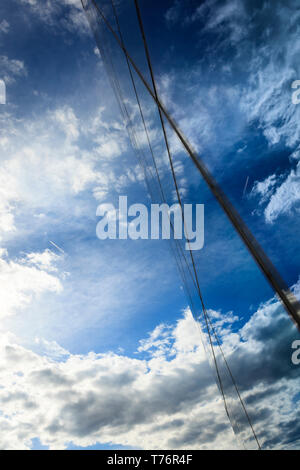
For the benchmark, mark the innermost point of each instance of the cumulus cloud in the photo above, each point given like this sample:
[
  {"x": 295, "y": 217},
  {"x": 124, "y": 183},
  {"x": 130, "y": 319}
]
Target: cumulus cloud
[
  {"x": 51, "y": 148},
  {"x": 166, "y": 400},
  {"x": 23, "y": 279},
  {"x": 112, "y": 398},
  {"x": 45, "y": 260}
]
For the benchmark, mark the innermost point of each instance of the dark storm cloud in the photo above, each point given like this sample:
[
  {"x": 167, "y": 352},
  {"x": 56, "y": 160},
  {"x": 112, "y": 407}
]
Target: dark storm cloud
[
  {"x": 49, "y": 377},
  {"x": 175, "y": 423},
  {"x": 176, "y": 406},
  {"x": 265, "y": 375},
  {"x": 271, "y": 361},
  {"x": 198, "y": 431},
  {"x": 119, "y": 408},
  {"x": 261, "y": 363}
]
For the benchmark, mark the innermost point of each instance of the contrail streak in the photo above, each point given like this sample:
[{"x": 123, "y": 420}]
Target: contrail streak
[
  {"x": 57, "y": 247},
  {"x": 245, "y": 186}
]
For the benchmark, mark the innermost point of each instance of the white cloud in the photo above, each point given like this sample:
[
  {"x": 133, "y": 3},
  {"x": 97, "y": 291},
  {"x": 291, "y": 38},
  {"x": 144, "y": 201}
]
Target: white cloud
[
  {"x": 279, "y": 194},
  {"x": 252, "y": 38},
  {"x": 269, "y": 101},
  {"x": 111, "y": 398},
  {"x": 49, "y": 147},
  {"x": 23, "y": 279},
  {"x": 68, "y": 122},
  {"x": 11, "y": 69},
  {"x": 169, "y": 400},
  {"x": 263, "y": 96},
  {"x": 50, "y": 349},
  {"x": 285, "y": 198},
  {"x": 159, "y": 340},
  {"x": 44, "y": 260},
  {"x": 51, "y": 12},
  {"x": 4, "y": 26},
  {"x": 264, "y": 188},
  {"x": 229, "y": 17},
  {"x": 173, "y": 13}
]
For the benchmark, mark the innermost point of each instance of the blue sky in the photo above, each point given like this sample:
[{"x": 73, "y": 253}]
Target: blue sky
[{"x": 97, "y": 345}]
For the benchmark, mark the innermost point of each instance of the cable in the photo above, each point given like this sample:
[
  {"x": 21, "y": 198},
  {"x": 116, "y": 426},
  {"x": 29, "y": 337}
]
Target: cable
[
  {"x": 179, "y": 200},
  {"x": 207, "y": 319},
  {"x": 117, "y": 89},
  {"x": 123, "y": 108},
  {"x": 206, "y": 316}
]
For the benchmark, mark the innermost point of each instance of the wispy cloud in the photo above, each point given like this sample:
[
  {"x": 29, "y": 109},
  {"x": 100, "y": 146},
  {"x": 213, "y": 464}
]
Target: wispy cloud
[
  {"x": 67, "y": 14},
  {"x": 280, "y": 195},
  {"x": 4, "y": 27},
  {"x": 11, "y": 69},
  {"x": 24, "y": 278},
  {"x": 286, "y": 198},
  {"x": 52, "y": 149}
]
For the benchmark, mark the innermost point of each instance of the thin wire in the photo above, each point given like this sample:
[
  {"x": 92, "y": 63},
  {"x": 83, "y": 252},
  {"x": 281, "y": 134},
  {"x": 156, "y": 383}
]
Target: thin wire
[
  {"x": 207, "y": 319},
  {"x": 179, "y": 198},
  {"x": 174, "y": 179},
  {"x": 142, "y": 115},
  {"x": 123, "y": 108},
  {"x": 152, "y": 153},
  {"x": 118, "y": 92}
]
